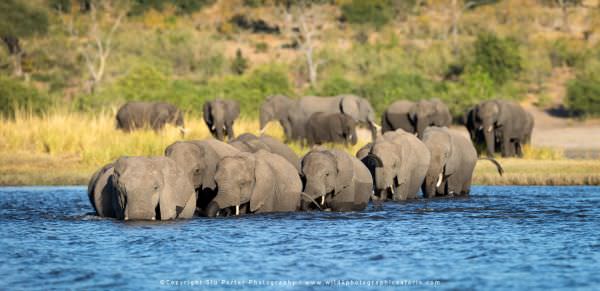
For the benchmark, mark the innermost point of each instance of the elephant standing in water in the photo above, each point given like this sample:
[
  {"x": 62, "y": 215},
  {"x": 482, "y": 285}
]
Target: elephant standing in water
[
  {"x": 251, "y": 143},
  {"x": 199, "y": 160},
  {"x": 415, "y": 117},
  {"x": 330, "y": 127},
  {"x": 136, "y": 115},
  {"x": 356, "y": 107},
  {"x": 255, "y": 183},
  {"x": 500, "y": 123},
  {"x": 398, "y": 162},
  {"x": 336, "y": 180},
  {"x": 141, "y": 188},
  {"x": 453, "y": 159},
  {"x": 219, "y": 116}
]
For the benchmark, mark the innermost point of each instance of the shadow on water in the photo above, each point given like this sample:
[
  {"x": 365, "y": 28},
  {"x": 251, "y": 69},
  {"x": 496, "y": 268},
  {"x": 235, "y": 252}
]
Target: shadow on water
[{"x": 509, "y": 237}]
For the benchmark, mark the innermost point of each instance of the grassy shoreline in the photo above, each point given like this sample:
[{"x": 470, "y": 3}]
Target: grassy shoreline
[{"x": 65, "y": 148}]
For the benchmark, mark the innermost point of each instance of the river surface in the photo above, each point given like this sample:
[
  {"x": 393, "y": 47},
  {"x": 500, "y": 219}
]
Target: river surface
[{"x": 500, "y": 237}]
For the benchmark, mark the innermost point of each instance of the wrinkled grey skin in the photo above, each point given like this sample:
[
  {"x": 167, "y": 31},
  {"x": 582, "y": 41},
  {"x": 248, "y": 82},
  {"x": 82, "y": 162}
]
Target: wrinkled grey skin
[
  {"x": 251, "y": 143},
  {"x": 500, "y": 123},
  {"x": 396, "y": 117},
  {"x": 255, "y": 183},
  {"x": 335, "y": 180},
  {"x": 330, "y": 127},
  {"x": 135, "y": 115},
  {"x": 199, "y": 160},
  {"x": 398, "y": 162},
  {"x": 358, "y": 108},
  {"x": 285, "y": 111},
  {"x": 219, "y": 116},
  {"x": 429, "y": 113},
  {"x": 142, "y": 188}
]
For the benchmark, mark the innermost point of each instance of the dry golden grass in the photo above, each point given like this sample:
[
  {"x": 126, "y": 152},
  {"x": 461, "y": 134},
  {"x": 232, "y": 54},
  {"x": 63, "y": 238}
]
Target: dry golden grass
[{"x": 64, "y": 147}]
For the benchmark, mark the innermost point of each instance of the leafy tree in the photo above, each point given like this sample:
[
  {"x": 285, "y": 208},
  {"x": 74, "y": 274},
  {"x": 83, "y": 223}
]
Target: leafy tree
[
  {"x": 19, "y": 20},
  {"x": 583, "y": 92},
  {"x": 497, "y": 57},
  {"x": 15, "y": 94},
  {"x": 239, "y": 64},
  {"x": 374, "y": 12},
  {"x": 182, "y": 6}
]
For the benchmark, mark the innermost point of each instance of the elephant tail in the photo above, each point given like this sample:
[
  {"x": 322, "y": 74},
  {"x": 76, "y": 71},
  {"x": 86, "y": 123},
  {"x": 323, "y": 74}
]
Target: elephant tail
[
  {"x": 312, "y": 200},
  {"x": 496, "y": 163}
]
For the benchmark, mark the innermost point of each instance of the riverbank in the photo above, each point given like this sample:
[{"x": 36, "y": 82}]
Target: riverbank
[
  {"x": 43, "y": 169},
  {"x": 65, "y": 148}
]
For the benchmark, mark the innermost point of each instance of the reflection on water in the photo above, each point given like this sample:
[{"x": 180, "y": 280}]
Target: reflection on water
[{"x": 541, "y": 237}]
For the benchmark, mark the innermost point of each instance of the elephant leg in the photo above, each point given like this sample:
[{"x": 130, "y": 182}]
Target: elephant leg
[
  {"x": 519, "y": 149},
  {"x": 506, "y": 145}
]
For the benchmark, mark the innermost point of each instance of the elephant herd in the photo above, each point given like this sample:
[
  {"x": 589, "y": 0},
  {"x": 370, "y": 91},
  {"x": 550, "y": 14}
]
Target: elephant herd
[
  {"x": 260, "y": 174},
  {"x": 496, "y": 125}
]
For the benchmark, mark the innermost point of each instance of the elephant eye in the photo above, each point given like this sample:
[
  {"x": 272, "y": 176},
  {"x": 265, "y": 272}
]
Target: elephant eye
[
  {"x": 197, "y": 171},
  {"x": 156, "y": 186}
]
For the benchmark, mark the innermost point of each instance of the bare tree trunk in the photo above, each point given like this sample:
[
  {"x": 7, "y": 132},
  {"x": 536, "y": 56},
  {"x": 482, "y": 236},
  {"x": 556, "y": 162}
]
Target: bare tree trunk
[
  {"x": 454, "y": 29},
  {"x": 96, "y": 51},
  {"x": 565, "y": 15}
]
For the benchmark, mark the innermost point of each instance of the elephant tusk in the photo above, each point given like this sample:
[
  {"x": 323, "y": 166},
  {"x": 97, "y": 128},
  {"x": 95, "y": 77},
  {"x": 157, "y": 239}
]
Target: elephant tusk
[
  {"x": 183, "y": 129},
  {"x": 153, "y": 217},
  {"x": 375, "y": 125},
  {"x": 439, "y": 182},
  {"x": 262, "y": 131},
  {"x": 237, "y": 210},
  {"x": 323, "y": 200},
  {"x": 392, "y": 189},
  {"x": 481, "y": 127},
  {"x": 126, "y": 218},
  {"x": 490, "y": 128}
]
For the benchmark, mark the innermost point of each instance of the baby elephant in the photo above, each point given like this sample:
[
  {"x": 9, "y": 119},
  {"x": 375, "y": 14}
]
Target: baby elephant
[
  {"x": 134, "y": 115},
  {"x": 330, "y": 127},
  {"x": 336, "y": 180},
  {"x": 255, "y": 183},
  {"x": 140, "y": 188},
  {"x": 251, "y": 143},
  {"x": 219, "y": 115},
  {"x": 398, "y": 162}
]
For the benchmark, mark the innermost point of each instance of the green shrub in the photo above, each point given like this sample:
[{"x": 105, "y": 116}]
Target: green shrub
[
  {"x": 565, "y": 52},
  {"x": 335, "y": 85},
  {"x": 373, "y": 12},
  {"x": 17, "y": 95},
  {"x": 182, "y": 6},
  {"x": 499, "y": 58},
  {"x": 583, "y": 92},
  {"x": 473, "y": 87},
  {"x": 239, "y": 64},
  {"x": 261, "y": 47}
]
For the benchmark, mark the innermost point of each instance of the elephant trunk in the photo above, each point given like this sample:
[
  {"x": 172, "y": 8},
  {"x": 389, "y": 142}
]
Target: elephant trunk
[
  {"x": 429, "y": 184},
  {"x": 316, "y": 191},
  {"x": 490, "y": 140},
  {"x": 212, "y": 209}
]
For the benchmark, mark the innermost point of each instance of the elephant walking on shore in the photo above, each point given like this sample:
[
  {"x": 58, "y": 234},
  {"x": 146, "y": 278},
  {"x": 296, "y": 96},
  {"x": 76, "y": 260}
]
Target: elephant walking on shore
[
  {"x": 137, "y": 115},
  {"x": 414, "y": 117},
  {"x": 199, "y": 160},
  {"x": 356, "y": 107},
  {"x": 453, "y": 159},
  {"x": 285, "y": 111},
  {"x": 141, "y": 188},
  {"x": 219, "y": 116},
  {"x": 255, "y": 183},
  {"x": 335, "y": 180},
  {"x": 500, "y": 123},
  {"x": 398, "y": 162},
  {"x": 330, "y": 127}
]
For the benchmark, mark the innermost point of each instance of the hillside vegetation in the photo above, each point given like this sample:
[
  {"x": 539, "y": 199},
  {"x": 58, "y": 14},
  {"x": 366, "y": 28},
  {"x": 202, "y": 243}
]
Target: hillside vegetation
[{"x": 87, "y": 55}]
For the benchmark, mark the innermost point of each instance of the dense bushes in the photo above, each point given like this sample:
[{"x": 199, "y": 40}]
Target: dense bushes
[
  {"x": 499, "y": 58},
  {"x": 15, "y": 95},
  {"x": 583, "y": 93},
  {"x": 374, "y": 12},
  {"x": 182, "y": 6}
]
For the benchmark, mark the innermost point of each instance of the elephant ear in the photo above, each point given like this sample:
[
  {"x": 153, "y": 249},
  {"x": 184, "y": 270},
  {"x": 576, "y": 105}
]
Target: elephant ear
[
  {"x": 452, "y": 163},
  {"x": 350, "y": 106},
  {"x": 206, "y": 111},
  {"x": 502, "y": 114},
  {"x": 345, "y": 170},
  {"x": 176, "y": 191},
  {"x": 374, "y": 164},
  {"x": 264, "y": 183}
]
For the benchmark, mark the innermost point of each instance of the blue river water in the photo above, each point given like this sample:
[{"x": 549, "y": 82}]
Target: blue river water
[{"x": 499, "y": 238}]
